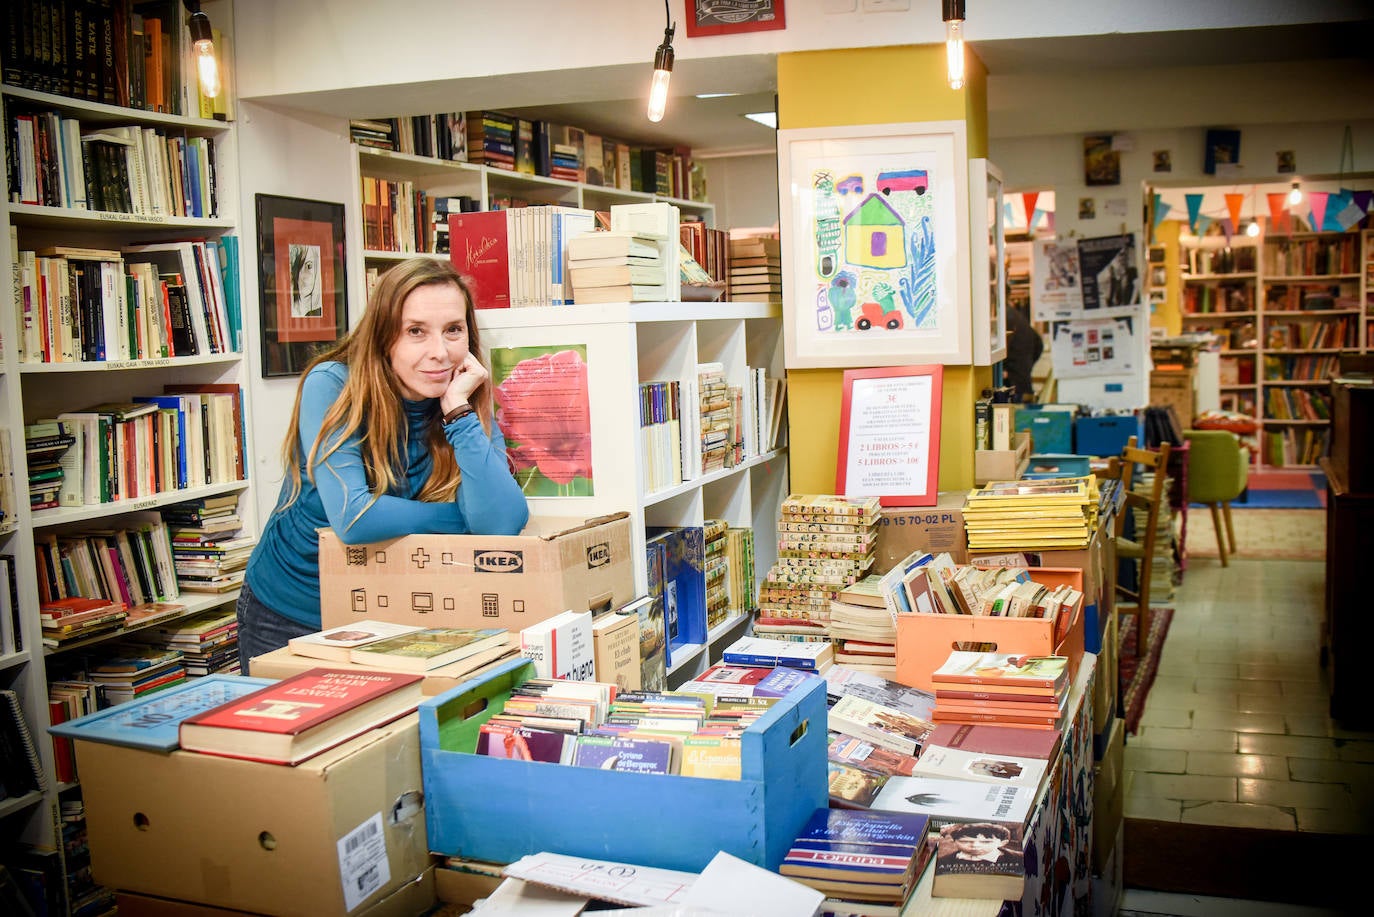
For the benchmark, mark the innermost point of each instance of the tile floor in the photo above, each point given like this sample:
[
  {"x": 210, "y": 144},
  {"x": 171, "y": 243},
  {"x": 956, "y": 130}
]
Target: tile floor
[{"x": 1235, "y": 730}]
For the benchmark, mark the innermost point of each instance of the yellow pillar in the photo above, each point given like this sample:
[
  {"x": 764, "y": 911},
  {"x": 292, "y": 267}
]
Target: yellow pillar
[
  {"x": 1170, "y": 313},
  {"x": 878, "y": 86}
]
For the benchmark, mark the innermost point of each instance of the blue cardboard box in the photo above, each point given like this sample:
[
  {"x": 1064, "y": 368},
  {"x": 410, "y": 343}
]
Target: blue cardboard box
[
  {"x": 1057, "y": 465},
  {"x": 1104, "y": 436},
  {"x": 1051, "y": 429},
  {"x": 499, "y": 810}
]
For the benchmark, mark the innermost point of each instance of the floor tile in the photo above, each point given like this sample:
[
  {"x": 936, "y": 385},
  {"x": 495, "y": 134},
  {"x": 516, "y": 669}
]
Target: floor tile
[
  {"x": 1271, "y": 767},
  {"x": 1354, "y": 751},
  {"x": 1189, "y": 739},
  {"x": 1153, "y": 808},
  {"x": 1187, "y": 786},
  {"x": 1335, "y": 821},
  {"x": 1317, "y": 770},
  {"x": 1237, "y": 686},
  {"x": 1238, "y": 815},
  {"x": 1291, "y": 793},
  {"x": 1297, "y": 746},
  {"x": 1159, "y": 760},
  {"x": 1189, "y": 700},
  {"x": 1270, "y": 723},
  {"x": 1269, "y": 703},
  {"x": 1278, "y": 672},
  {"x": 1178, "y": 717}
]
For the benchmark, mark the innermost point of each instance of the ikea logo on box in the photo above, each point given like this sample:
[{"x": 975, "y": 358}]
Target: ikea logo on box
[
  {"x": 598, "y": 555},
  {"x": 498, "y": 561}
]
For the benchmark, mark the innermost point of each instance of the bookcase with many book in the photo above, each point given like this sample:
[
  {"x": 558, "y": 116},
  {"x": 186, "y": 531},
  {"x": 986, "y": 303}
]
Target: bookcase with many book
[
  {"x": 626, "y": 348},
  {"x": 1284, "y": 307},
  {"x": 122, "y": 326}
]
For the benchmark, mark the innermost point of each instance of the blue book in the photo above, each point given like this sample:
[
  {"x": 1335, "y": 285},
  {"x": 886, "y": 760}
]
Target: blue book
[
  {"x": 192, "y": 171},
  {"x": 227, "y": 250},
  {"x": 153, "y": 723}
]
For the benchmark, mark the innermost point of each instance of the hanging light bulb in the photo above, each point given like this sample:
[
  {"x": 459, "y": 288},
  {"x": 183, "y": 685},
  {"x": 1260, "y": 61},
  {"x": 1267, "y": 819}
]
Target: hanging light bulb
[
  {"x": 1253, "y": 229},
  {"x": 1295, "y": 196},
  {"x": 663, "y": 70},
  {"x": 954, "y": 42},
  {"x": 203, "y": 43}
]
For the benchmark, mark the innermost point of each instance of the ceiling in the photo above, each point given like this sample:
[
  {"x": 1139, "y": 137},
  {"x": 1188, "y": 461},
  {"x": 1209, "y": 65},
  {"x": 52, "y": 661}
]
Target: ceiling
[{"x": 718, "y": 126}]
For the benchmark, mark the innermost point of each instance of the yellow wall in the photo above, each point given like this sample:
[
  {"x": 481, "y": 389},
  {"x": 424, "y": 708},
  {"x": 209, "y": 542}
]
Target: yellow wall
[
  {"x": 1170, "y": 314},
  {"x": 831, "y": 88}
]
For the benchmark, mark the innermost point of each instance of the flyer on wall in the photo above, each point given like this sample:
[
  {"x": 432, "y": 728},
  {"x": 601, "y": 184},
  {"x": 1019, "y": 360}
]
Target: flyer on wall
[
  {"x": 1094, "y": 347},
  {"x": 890, "y": 434},
  {"x": 1055, "y": 289}
]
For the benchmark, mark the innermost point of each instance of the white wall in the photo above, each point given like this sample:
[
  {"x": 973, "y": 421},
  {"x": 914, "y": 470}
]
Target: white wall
[{"x": 744, "y": 189}]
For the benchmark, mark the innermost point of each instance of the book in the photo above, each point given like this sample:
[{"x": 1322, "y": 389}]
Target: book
[
  {"x": 561, "y": 646},
  {"x": 948, "y": 800},
  {"x": 883, "y": 725},
  {"x": 880, "y": 855},
  {"x": 585, "y": 278},
  {"x": 621, "y": 293},
  {"x": 524, "y": 743},
  {"x": 980, "y": 860},
  {"x": 747, "y": 681},
  {"x": 621, "y": 753},
  {"x": 615, "y": 647},
  {"x": 809, "y": 656},
  {"x": 301, "y": 716},
  {"x": 998, "y": 740},
  {"x": 21, "y": 770},
  {"x": 154, "y": 722},
  {"x": 985, "y": 767},
  {"x": 611, "y": 244},
  {"x": 853, "y": 787},
  {"x": 869, "y": 756},
  {"x": 428, "y": 648},
  {"x": 974, "y": 668}
]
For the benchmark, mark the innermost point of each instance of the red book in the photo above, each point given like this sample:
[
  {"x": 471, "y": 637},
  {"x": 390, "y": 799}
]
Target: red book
[
  {"x": 301, "y": 716},
  {"x": 1005, "y": 719},
  {"x": 76, "y": 609},
  {"x": 996, "y": 740},
  {"x": 478, "y": 245},
  {"x": 950, "y": 706}
]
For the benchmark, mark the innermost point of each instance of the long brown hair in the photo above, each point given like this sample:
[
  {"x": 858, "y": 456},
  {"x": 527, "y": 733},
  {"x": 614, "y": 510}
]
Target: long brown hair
[{"x": 371, "y": 400}]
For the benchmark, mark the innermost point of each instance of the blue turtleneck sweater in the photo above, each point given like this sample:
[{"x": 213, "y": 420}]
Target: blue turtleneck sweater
[{"x": 284, "y": 571}]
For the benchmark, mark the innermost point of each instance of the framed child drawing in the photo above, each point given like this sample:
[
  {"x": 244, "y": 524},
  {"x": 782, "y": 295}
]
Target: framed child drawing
[{"x": 876, "y": 265}]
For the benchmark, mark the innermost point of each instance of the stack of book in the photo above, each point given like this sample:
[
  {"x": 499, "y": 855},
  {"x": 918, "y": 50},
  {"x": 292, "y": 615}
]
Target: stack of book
[
  {"x": 755, "y": 269},
  {"x": 1047, "y": 514},
  {"x": 209, "y": 551},
  {"x": 134, "y": 670},
  {"x": 68, "y": 620},
  {"x": 718, "y": 417},
  {"x": 862, "y": 629},
  {"x": 825, "y": 543},
  {"x": 45, "y": 445},
  {"x": 739, "y": 563},
  {"x": 1024, "y": 691},
  {"x": 660, "y": 428},
  {"x": 864, "y": 862},
  {"x": 859, "y": 766},
  {"x": 989, "y": 754},
  {"x": 809, "y": 656},
  {"x": 716, "y": 566},
  {"x": 616, "y": 267},
  {"x": 208, "y": 641},
  {"x": 491, "y": 139}
]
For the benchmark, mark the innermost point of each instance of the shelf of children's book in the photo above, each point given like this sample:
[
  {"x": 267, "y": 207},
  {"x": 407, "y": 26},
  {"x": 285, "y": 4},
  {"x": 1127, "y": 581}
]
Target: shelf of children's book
[
  {"x": 99, "y": 113},
  {"x": 1308, "y": 278},
  {"x": 1218, "y": 278},
  {"x": 193, "y": 602},
  {"x": 710, "y": 477},
  {"x": 613, "y": 313},
  {"x": 69, "y": 218},
  {"x": 12, "y": 660},
  {"x": 1292, "y": 422},
  {"x": 60, "y": 515},
  {"x": 409, "y": 165},
  {"x": 375, "y": 254},
  {"x": 1208, "y": 316},
  {"x": 1309, "y": 313},
  {"x": 101, "y": 366},
  {"x": 19, "y": 803}
]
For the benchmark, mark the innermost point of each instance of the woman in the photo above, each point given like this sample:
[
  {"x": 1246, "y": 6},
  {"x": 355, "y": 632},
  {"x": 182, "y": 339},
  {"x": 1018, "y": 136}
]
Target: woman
[
  {"x": 306, "y": 298},
  {"x": 392, "y": 434}
]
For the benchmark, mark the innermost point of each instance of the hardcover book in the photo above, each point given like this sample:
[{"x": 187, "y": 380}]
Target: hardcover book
[
  {"x": 429, "y": 648},
  {"x": 885, "y": 726},
  {"x": 946, "y": 800},
  {"x": 335, "y": 643},
  {"x": 153, "y": 722},
  {"x": 479, "y": 249},
  {"x": 298, "y": 717},
  {"x": 999, "y": 740},
  {"x": 810, "y": 656}
]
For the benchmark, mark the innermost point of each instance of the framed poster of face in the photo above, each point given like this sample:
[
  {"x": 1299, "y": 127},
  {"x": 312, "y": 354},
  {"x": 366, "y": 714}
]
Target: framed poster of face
[{"x": 302, "y": 288}]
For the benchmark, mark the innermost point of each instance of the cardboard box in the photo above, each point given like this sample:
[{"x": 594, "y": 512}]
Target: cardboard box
[
  {"x": 410, "y": 900},
  {"x": 924, "y": 641},
  {"x": 937, "y": 529},
  {"x": 282, "y": 663},
  {"x": 499, "y": 810},
  {"x": 1107, "y": 881},
  {"x": 1174, "y": 389},
  {"x": 260, "y": 837},
  {"x": 509, "y": 581},
  {"x": 1107, "y": 687},
  {"x": 1109, "y": 797},
  {"x": 457, "y": 886},
  {"x": 1002, "y": 465}
]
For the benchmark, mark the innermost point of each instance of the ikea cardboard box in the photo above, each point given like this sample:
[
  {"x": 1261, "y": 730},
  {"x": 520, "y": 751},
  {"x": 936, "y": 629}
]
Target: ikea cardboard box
[
  {"x": 335, "y": 834},
  {"x": 509, "y": 581},
  {"x": 937, "y": 529}
]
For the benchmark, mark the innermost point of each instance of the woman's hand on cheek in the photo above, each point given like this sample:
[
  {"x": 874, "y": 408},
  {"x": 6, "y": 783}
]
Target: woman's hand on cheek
[{"x": 467, "y": 378}]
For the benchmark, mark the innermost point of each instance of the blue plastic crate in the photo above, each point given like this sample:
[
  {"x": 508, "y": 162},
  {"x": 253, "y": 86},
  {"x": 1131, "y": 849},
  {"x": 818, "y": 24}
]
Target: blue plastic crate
[
  {"x": 1051, "y": 429},
  {"x": 1057, "y": 465},
  {"x": 499, "y": 810},
  {"x": 1104, "y": 436}
]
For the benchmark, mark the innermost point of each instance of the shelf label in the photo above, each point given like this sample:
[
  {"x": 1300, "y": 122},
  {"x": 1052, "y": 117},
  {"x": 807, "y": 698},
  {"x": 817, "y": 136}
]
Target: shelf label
[
  {"x": 143, "y": 504},
  {"x": 151, "y": 363},
  {"x": 112, "y": 217}
]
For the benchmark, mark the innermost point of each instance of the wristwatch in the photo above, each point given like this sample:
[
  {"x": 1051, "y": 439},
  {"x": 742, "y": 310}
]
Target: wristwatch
[{"x": 461, "y": 411}]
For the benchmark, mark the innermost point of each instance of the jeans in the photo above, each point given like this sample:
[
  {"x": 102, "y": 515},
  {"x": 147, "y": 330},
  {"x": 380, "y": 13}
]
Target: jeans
[{"x": 261, "y": 629}]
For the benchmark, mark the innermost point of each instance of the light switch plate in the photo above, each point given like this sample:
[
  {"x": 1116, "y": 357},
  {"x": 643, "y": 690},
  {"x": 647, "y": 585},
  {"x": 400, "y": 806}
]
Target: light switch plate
[{"x": 886, "y": 6}]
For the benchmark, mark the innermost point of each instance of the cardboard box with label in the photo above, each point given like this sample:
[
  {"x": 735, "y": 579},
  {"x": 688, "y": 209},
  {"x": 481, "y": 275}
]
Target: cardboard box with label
[
  {"x": 937, "y": 529},
  {"x": 509, "y": 581},
  {"x": 336, "y": 834}
]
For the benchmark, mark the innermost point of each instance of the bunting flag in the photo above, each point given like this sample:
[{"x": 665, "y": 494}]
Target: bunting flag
[
  {"x": 1234, "y": 203},
  {"x": 1318, "y": 201},
  {"x": 1035, "y": 217},
  {"x": 1194, "y": 209},
  {"x": 1008, "y": 214},
  {"x": 1363, "y": 200},
  {"x": 1278, "y": 209},
  {"x": 1347, "y": 215},
  {"x": 1028, "y": 199},
  {"x": 1228, "y": 229},
  {"x": 1203, "y": 222},
  {"x": 1161, "y": 211}
]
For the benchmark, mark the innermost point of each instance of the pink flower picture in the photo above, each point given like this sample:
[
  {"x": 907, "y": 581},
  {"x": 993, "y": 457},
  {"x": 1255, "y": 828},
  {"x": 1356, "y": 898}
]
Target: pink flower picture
[{"x": 544, "y": 408}]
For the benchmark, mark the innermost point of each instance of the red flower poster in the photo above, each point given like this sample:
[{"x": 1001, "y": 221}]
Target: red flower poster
[{"x": 543, "y": 405}]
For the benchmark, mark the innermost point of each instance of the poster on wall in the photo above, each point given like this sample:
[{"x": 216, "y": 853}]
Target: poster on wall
[
  {"x": 1095, "y": 347},
  {"x": 877, "y": 274},
  {"x": 1110, "y": 275},
  {"x": 1056, "y": 292},
  {"x": 543, "y": 404},
  {"x": 890, "y": 434}
]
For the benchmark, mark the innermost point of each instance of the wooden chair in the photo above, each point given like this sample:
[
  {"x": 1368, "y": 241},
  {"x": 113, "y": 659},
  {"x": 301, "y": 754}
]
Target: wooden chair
[{"x": 1142, "y": 547}]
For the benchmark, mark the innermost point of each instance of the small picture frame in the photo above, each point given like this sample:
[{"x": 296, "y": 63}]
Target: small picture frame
[
  {"x": 302, "y": 283},
  {"x": 890, "y": 434},
  {"x": 713, "y": 17},
  {"x": 1101, "y": 161}
]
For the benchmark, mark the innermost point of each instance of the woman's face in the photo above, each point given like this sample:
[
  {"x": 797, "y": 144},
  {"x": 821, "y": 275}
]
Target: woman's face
[
  {"x": 433, "y": 340},
  {"x": 309, "y": 273}
]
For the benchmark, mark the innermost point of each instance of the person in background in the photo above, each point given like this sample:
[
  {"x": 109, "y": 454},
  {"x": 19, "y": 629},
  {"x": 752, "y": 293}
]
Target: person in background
[
  {"x": 392, "y": 434},
  {"x": 1024, "y": 346}
]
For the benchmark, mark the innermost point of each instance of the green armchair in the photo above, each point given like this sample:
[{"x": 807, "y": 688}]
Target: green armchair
[{"x": 1218, "y": 470}]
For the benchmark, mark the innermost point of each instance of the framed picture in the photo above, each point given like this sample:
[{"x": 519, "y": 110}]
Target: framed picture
[
  {"x": 1221, "y": 152},
  {"x": 724, "y": 17},
  {"x": 890, "y": 435},
  {"x": 1101, "y": 163},
  {"x": 987, "y": 228},
  {"x": 876, "y": 270},
  {"x": 302, "y": 288}
]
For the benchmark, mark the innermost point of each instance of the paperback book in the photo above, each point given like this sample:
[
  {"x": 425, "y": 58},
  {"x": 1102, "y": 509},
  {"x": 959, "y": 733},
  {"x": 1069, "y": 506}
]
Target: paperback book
[
  {"x": 336, "y": 643},
  {"x": 423, "y": 650},
  {"x": 875, "y": 856},
  {"x": 948, "y": 800}
]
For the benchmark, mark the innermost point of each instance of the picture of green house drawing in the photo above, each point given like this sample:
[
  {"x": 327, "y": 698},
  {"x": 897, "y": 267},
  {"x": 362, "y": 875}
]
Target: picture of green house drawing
[{"x": 875, "y": 235}]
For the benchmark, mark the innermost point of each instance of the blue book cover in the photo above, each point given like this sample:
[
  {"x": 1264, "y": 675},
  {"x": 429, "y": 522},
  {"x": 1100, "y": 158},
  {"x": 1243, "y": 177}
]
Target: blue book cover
[
  {"x": 154, "y": 723},
  {"x": 619, "y": 753},
  {"x": 172, "y": 403},
  {"x": 228, "y": 251}
]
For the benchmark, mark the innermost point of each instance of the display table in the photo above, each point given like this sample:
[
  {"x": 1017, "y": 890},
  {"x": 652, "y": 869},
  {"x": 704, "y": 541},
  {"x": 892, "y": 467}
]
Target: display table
[{"x": 1058, "y": 851}]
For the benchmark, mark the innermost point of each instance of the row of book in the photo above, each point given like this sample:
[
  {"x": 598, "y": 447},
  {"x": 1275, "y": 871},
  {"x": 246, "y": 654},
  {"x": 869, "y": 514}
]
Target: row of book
[
  {"x": 1229, "y": 260},
  {"x": 1280, "y": 369},
  {"x": 441, "y": 136},
  {"x": 130, "y": 169},
  {"x": 1289, "y": 446},
  {"x": 137, "y": 55},
  {"x": 210, "y": 551},
  {"x": 1322, "y": 334},
  {"x": 155, "y": 301},
  {"x": 1313, "y": 257},
  {"x": 1292, "y": 403},
  {"x": 1309, "y": 297},
  {"x": 399, "y": 218},
  {"x": 755, "y": 269},
  {"x": 1210, "y": 298}
]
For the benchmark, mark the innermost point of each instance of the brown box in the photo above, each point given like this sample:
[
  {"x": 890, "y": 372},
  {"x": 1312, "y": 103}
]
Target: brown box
[
  {"x": 937, "y": 529},
  {"x": 1109, "y": 797},
  {"x": 1174, "y": 389},
  {"x": 262, "y": 838},
  {"x": 1002, "y": 465},
  {"x": 282, "y": 663},
  {"x": 509, "y": 581},
  {"x": 1106, "y": 687},
  {"x": 410, "y": 900}
]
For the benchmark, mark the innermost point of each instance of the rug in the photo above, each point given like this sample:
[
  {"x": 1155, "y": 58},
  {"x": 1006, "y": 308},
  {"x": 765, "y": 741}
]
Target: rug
[
  {"x": 1262, "y": 534},
  {"x": 1137, "y": 674},
  {"x": 1283, "y": 490}
]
